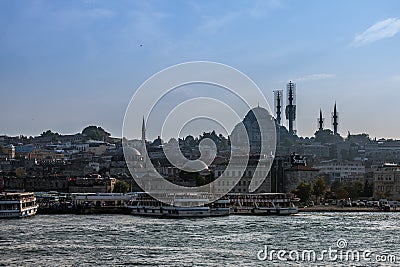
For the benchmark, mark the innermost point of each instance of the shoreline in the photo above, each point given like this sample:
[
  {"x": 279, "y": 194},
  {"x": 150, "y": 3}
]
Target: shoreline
[
  {"x": 344, "y": 209},
  {"x": 123, "y": 210}
]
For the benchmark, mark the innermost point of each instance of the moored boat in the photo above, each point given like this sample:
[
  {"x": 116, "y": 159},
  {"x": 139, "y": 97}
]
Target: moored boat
[
  {"x": 176, "y": 205},
  {"x": 17, "y": 205},
  {"x": 263, "y": 204}
]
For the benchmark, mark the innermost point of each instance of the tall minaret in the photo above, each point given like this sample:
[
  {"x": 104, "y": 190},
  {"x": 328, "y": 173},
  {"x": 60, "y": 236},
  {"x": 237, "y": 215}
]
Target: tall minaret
[
  {"x": 335, "y": 120},
  {"x": 143, "y": 138},
  {"x": 320, "y": 121},
  {"x": 278, "y": 97}
]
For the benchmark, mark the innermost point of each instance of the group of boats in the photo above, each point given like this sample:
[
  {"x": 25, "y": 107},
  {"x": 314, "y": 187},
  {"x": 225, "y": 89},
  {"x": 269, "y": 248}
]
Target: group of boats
[{"x": 173, "y": 205}]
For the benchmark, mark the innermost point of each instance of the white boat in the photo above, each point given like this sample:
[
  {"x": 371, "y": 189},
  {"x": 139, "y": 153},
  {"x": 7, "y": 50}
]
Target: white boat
[
  {"x": 220, "y": 207},
  {"x": 176, "y": 205},
  {"x": 263, "y": 204},
  {"x": 17, "y": 205}
]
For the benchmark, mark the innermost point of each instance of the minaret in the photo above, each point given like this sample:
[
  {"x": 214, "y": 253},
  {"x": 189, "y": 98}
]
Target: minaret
[
  {"x": 335, "y": 120},
  {"x": 143, "y": 138},
  {"x": 278, "y": 96},
  {"x": 291, "y": 106},
  {"x": 320, "y": 121}
]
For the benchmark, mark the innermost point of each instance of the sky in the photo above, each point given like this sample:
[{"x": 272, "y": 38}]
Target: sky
[{"x": 65, "y": 65}]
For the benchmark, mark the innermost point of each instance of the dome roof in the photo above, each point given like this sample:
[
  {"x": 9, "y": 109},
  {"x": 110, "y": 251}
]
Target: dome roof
[
  {"x": 260, "y": 112},
  {"x": 195, "y": 166},
  {"x": 132, "y": 151}
]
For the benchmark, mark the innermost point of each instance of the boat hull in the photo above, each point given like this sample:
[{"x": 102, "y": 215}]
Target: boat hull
[
  {"x": 10, "y": 214},
  {"x": 263, "y": 211},
  {"x": 170, "y": 212}
]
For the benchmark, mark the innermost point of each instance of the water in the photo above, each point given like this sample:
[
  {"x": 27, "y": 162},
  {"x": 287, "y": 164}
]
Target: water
[{"x": 117, "y": 240}]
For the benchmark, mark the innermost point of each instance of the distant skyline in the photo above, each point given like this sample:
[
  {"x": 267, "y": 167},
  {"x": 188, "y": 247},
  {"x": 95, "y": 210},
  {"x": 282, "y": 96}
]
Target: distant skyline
[{"x": 65, "y": 65}]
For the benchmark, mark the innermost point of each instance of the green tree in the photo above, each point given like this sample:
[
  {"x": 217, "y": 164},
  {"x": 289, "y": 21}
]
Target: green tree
[
  {"x": 319, "y": 187},
  {"x": 354, "y": 189},
  {"x": 96, "y": 133},
  {"x": 121, "y": 186},
  {"x": 368, "y": 189},
  {"x": 341, "y": 193},
  {"x": 335, "y": 186},
  {"x": 304, "y": 191},
  {"x": 49, "y": 133}
]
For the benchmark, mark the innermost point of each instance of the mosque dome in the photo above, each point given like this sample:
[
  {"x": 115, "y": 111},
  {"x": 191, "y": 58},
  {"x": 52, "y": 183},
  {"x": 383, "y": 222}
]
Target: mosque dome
[
  {"x": 132, "y": 154},
  {"x": 257, "y": 113}
]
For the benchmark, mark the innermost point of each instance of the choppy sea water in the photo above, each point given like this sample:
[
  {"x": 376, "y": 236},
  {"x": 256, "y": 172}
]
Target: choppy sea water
[{"x": 124, "y": 240}]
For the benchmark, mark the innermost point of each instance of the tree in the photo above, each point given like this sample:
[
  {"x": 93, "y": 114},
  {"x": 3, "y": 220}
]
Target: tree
[
  {"x": 121, "y": 187},
  {"x": 320, "y": 187},
  {"x": 327, "y": 136},
  {"x": 49, "y": 133},
  {"x": 96, "y": 133},
  {"x": 368, "y": 189},
  {"x": 303, "y": 191},
  {"x": 335, "y": 186},
  {"x": 341, "y": 193},
  {"x": 354, "y": 190}
]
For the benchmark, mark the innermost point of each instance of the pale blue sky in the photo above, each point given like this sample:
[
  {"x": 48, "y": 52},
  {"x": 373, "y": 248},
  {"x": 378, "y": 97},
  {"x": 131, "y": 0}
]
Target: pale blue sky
[{"x": 68, "y": 64}]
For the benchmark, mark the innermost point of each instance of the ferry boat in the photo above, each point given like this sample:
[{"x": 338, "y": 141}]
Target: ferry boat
[
  {"x": 177, "y": 205},
  {"x": 17, "y": 205},
  {"x": 263, "y": 204}
]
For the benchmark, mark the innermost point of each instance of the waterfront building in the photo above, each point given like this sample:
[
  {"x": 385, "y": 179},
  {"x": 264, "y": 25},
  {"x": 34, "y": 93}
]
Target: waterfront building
[
  {"x": 387, "y": 181},
  {"x": 91, "y": 184},
  {"x": 227, "y": 177}
]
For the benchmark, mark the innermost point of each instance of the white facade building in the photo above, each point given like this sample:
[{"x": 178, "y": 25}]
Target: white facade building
[{"x": 342, "y": 170}]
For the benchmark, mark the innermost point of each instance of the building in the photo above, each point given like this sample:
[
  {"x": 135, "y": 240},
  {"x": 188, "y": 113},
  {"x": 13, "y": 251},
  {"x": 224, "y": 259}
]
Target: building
[
  {"x": 247, "y": 172},
  {"x": 383, "y": 151},
  {"x": 35, "y": 184},
  {"x": 8, "y": 151},
  {"x": 25, "y": 151},
  {"x": 339, "y": 170},
  {"x": 387, "y": 181},
  {"x": 297, "y": 174},
  {"x": 98, "y": 148},
  {"x": 92, "y": 184}
]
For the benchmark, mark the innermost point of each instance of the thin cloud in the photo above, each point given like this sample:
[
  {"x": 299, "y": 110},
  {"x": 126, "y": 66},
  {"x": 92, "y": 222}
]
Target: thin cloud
[
  {"x": 396, "y": 77},
  {"x": 213, "y": 25},
  {"x": 314, "y": 77},
  {"x": 99, "y": 13},
  {"x": 383, "y": 29}
]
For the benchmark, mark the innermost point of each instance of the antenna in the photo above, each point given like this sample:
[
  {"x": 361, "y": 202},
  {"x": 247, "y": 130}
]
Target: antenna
[{"x": 291, "y": 106}]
